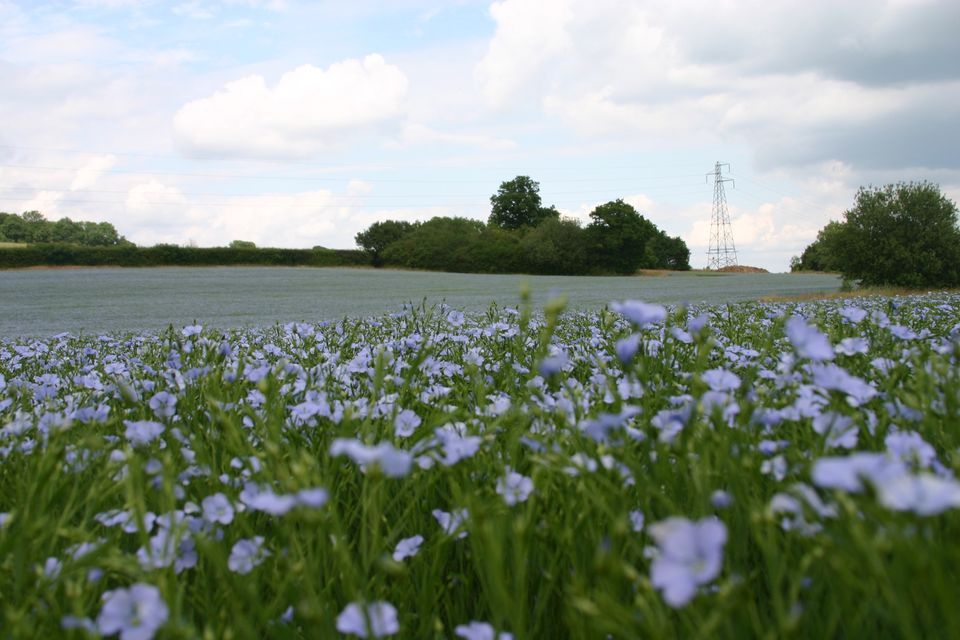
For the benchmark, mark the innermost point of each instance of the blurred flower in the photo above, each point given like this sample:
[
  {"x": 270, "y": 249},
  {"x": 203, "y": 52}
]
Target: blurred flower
[
  {"x": 143, "y": 432},
  {"x": 481, "y": 631},
  {"x": 640, "y": 313},
  {"x": 312, "y": 498},
  {"x": 721, "y": 380},
  {"x": 514, "y": 487},
  {"x": 689, "y": 554},
  {"x": 264, "y": 499},
  {"x": 407, "y": 548},
  {"x": 452, "y": 523},
  {"x": 808, "y": 341},
  {"x": 393, "y": 462},
  {"x": 247, "y": 554},
  {"x": 406, "y": 423},
  {"x": 164, "y": 404},
  {"x": 135, "y": 613},
  {"x": 217, "y": 508},
  {"x": 375, "y": 620},
  {"x": 721, "y": 499},
  {"x": 627, "y": 348}
]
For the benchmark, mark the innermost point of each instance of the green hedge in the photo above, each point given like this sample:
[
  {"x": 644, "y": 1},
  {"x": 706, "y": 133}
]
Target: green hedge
[{"x": 169, "y": 255}]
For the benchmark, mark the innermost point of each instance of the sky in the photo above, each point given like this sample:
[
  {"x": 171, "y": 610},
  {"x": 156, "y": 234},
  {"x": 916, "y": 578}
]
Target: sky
[{"x": 295, "y": 123}]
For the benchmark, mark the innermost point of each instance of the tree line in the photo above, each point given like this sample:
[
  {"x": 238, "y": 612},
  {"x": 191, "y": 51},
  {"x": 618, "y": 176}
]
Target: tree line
[
  {"x": 32, "y": 228},
  {"x": 523, "y": 236},
  {"x": 165, "y": 255},
  {"x": 902, "y": 234}
]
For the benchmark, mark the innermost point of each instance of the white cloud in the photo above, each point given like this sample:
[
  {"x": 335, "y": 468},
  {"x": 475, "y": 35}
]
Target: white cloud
[
  {"x": 156, "y": 212},
  {"x": 309, "y": 109},
  {"x": 413, "y": 134},
  {"x": 800, "y": 83},
  {"x": 87, "y": 175},
  {"x": 529, "y": 33}
]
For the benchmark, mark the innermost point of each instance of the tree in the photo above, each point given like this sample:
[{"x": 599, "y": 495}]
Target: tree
[
  {"x": 556, "y": 247},
  {"x": 439, "y": 244},
  {"x": 669, "y": 252},
  {"x": 13, "y": 228},
  {"x": 380, "y": 235},
  {"x": 242, "y": 244},
  {"x": 902, "y": 234},
  {"x": 517, "y": 204},
  {"x": 821, "y": 254},
  {"x": 620, "y": 236}
]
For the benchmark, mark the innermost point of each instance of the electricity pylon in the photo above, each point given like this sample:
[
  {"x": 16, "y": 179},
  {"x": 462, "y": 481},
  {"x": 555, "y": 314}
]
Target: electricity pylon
[{"x": 722, "y": 252}]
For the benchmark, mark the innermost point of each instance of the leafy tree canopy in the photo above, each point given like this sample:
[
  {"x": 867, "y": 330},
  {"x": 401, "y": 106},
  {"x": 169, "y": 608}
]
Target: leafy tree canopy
[
  {"x": 32, "y": 227},
  {"x": 517, "y": 204},
  {"x": 902, "y": 234},
  {"x": 380, "y": 235}
]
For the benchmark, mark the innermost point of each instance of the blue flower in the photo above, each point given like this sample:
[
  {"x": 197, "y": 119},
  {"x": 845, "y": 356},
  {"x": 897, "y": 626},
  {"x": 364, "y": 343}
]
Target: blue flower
[
  {"x": 627, "y": 348},
  {"x": 393, "y": 462},
  {"x": 142, "y": 432},
  {"x": 721, "y": 380},
  {"x": 640, "y": 313},
  {"x": 375, "y": 620},
  {"x": 514, "y": 487},
  {"x": 808, "y": 341},
  {"x": 480, "y": 631},
  {"x": 407, "y": 548},
  {"x": 217, "y": 508},
  {"x": 247, "y": 554},
  {"x": 135, "y": 613},
  {"x": 164, "y": 404},
  {"x": 405, "y": 423},
  {"x": 452, "y": 523},
  {"x": 689, "y": 554}
]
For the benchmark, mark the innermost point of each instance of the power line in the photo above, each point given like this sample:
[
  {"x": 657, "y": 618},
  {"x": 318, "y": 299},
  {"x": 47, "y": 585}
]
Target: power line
[
  {"x": 660, "y": 188},
  {"x": 327, "y": 167},
  {"x": 188, "y": 174}
]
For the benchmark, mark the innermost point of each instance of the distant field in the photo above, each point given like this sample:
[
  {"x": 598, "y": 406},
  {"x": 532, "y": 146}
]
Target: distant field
[
  {"x": 48, "y": 301},
  {"x": 12, "y": 245}
]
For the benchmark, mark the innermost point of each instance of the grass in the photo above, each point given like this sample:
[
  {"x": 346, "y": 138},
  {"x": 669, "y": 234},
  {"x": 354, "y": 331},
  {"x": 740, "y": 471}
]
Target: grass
[
  {"x": 709, "y": 414},
  {"x": 855, "y": 294}
]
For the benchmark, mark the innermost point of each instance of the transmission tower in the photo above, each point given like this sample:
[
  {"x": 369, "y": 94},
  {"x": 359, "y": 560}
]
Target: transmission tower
[{"x": 722, "y": 251}]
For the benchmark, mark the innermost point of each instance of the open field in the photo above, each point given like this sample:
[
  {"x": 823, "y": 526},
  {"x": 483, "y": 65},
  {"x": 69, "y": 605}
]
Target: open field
[
  {"x": 45, "y": 302},
  {"x": 730, "y": 471}
]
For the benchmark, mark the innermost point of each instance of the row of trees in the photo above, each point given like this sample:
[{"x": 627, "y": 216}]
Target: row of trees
[
  {"x": 523, "y": 236},
  {"x": 31, "y": 227},
  {"x": 901, "y": 234}
]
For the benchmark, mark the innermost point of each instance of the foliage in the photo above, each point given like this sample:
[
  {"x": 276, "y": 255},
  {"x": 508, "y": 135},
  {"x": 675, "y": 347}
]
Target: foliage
[
  {"x": 378, "y": 236},
  {"x": 242, "y": 244},
  {"x": 172, "y": 255},
  {"x": 556, "y": 246},
  {"x": 730, "y": 471},
  {"x": 439, "y": 244},
  {"x": 32, "y": 227},
  {"x": 822, "y": 254},
  {"x": 901, "y": 234},
  {"x": 517, "y": 204},
  {"x": 624, "y": 241}
]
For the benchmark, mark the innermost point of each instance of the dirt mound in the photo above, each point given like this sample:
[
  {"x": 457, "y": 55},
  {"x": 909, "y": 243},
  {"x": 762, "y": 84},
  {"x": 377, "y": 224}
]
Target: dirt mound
[{"x": 742, "y": 269}]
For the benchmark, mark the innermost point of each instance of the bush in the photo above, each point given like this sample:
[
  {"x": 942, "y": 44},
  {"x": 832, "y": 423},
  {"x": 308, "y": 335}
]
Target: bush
[
  {"x": 171, "y": 255},
  {"x": 902, "y": 234}
]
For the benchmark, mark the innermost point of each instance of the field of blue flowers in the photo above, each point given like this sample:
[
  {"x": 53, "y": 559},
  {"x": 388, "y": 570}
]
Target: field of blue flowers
[{"x": 752, "y": 470}]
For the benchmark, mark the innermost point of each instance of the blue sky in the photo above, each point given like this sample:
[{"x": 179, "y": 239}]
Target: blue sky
[{"x": 294, "y": 123}]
